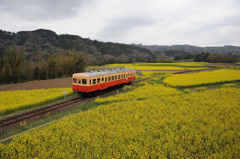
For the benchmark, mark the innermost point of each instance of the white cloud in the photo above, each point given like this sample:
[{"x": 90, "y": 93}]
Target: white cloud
[{"x": 168, "y": 22}]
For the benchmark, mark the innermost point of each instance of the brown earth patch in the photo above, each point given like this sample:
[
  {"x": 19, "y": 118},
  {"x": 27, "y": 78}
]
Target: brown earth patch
[
  {"x": 42, "y": 84},
  {"x": 195, "y": 71}
]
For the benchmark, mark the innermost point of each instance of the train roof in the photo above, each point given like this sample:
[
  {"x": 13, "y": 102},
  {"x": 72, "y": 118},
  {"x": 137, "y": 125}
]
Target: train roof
[{"x": 102, "y": 72}]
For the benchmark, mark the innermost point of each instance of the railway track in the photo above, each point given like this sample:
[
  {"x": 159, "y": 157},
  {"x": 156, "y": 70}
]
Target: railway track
[
  {"x": 32, "y": 113},
  {"x": 14, "y": 121}
]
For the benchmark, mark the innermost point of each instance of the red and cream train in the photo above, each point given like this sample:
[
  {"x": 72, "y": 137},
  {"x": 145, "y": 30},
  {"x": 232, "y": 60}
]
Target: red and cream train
[{"x": 91, "y": 82}]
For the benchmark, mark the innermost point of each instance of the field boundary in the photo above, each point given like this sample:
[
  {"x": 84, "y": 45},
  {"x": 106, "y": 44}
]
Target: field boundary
[
  {"x": 41, "y": 84},
  {"x": 201, "y": 85}
]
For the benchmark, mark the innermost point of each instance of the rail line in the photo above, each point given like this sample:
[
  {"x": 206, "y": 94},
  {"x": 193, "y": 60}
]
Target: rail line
[
  {"x": 38, "y": 111},
  {"x": 6, "y": 123}
]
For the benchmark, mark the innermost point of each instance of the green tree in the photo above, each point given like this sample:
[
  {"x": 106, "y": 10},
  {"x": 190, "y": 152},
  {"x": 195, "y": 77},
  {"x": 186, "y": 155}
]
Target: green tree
[
  {"x": 51, "y": 67},
  {"x": 78, "y": 64}
]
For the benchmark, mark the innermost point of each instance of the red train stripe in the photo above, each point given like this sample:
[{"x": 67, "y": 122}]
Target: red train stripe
[{"x": 101, "y": 86}]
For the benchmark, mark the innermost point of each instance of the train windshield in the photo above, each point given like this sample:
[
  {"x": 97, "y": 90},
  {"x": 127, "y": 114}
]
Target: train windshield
[{"x": 74, "y": 80}]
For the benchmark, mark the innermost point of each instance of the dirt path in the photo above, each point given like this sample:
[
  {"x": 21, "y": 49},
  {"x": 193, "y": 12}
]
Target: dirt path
[
  {"x": 214, "y": 86},
  {"x": 160, "y": 70},
  {"x": 42, "y": 84},
  {"x": 176, "y": 66},
  {"x": 194, "y": 71},
  {"x": 183, "y": 71}
]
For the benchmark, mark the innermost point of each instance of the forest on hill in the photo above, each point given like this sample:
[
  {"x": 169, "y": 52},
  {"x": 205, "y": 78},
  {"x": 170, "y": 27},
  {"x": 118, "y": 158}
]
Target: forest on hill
[
  {"x": 44, "y": 43},
  {"x": 15, "y": 67},
  {"x": 43, "y": 54},
  {"x": 227, "y": 49}
]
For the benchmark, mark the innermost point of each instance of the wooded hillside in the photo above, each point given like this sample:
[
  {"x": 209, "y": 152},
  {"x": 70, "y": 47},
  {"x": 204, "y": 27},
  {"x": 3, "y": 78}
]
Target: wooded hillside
[{"x": 44, "y": 43}]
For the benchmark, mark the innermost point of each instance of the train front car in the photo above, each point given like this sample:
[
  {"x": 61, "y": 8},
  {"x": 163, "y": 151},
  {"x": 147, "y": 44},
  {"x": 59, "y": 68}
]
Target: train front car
[{"x": 91, "y": 82}]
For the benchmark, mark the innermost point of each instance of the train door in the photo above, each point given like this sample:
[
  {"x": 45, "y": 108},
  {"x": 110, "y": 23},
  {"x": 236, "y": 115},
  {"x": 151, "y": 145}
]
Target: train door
[{"x": 102, "y": 83}]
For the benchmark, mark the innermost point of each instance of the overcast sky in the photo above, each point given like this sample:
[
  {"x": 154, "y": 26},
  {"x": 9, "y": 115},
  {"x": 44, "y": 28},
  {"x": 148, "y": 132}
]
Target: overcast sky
[{"x": 160, "y": 22}]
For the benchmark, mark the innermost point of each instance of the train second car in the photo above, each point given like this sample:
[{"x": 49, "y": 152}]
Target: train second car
[{"x": 94, "y": 81}]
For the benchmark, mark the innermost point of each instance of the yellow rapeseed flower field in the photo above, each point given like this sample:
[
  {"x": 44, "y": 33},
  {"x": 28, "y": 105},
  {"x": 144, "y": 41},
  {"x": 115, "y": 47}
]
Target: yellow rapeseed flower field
[
  {"x": 170, "y": 68},
  {"x": 147, "y": 68},
  {"x": 203, "y": 78},
  {"x": 190, "y": 64},
  {"x": 22, "y": 99},
  {"x": 151, "y": 121},
  {"x": 146, "y": 74},
  {"x": 162, "y": 66}
]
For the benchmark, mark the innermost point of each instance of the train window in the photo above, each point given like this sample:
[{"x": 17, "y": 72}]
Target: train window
[
  {"x": 84, "y": 81},
  {"x": 74, "y": 80},
  {"x": 109, "y": 78},
  {"x": 98, "y": 80},
  {"x": 79, "y": 81},
  {"x": 116, "y": 77},
  {"x": 112, "y": 78},
  {"x": 121, "y": 75},
  {"x": 102, "y": 79},
  {"x": 128, "y": 74},
  {"x": 124, "y": 75},
  {"x": 94, "y": 81},
  {"x": 105, "y": 79},
  {"x": 90, "y": 82}
]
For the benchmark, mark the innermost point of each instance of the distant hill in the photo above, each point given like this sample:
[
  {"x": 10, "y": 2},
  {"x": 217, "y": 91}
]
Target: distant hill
[
  {"x": 43, "y": 43},
  {"x": 43, "y": 54},
  {"x": 47, "y": 42},
  {"x": 193, "y": 49}
]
